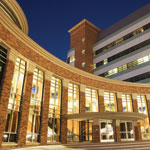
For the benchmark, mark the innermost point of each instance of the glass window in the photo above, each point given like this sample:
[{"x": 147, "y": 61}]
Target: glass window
[
  {"x": 83, "y": 51},
  {"x": 91, "y": 100},
  {"x": 110, "y": 102},
  {"x": 126, "y": 103},
  {"x": 14, "y": 101},
  {"x": 72, "y": 58},
  {"x": 142, "y": 108},
  {"x": 35, "y": 107},
  {"x": 54, "y": 110},
  {"x": 83, "y": 64},
  {"x": 141, "y": 104},
  {"x": 105, "y": 61},
  {"x": 72, "y": 130},
  {"x": 3, "y": 58},
  {"x": 73, "y": 98},
  {"x": 83, "y": 39}
]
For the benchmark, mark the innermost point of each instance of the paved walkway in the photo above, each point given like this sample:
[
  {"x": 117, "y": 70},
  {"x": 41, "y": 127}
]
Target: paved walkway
[
  {"x": 48, "y": 147},
  {"x": 143, "y": 145}
]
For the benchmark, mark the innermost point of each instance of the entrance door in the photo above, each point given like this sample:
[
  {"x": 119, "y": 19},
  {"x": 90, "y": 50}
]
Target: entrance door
[
  {"x": 106, "y": 131},
  {"x": 126, "y": 131}
]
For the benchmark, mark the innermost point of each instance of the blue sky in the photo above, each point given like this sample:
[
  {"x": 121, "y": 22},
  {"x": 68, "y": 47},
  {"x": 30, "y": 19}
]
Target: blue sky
[{"x": 50, "y": 20}]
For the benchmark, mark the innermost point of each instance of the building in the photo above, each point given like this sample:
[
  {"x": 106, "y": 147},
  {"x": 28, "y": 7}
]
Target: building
[
  {"x": 43, "y": 99},
  {"x": 121, "y": 52}
]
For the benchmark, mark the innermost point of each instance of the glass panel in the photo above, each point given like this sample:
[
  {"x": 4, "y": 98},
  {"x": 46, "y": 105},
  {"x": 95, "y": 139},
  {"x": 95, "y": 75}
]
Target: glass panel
[
  {"x": 91, "y": 100},
  {"x": 54, "y": 110},
  {"x": 14, "y": 101},
  {"x": 110, "y": 102},
  {"x": 73, "y": 98},
  {"x": 126, "y": 103},
  {"x": 126, "y": 131},
  {"x": 106, "y": 131},
  {"x": 145, "y": 128},
  {"x": 35, "y": 107}
]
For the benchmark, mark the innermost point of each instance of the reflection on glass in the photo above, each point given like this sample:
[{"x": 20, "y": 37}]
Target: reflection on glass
[
  {"x": 86, "y": 130},
  {"x": 126, "y": 131},
  {"x": 91, "y": 100},
  {"x": 73, "y": 98},
  {"x": 110, "y": 102},
  {"x": 35, "y": 107},
  {"x": 72, "y": 130},
  {"x": 126, "y": 103},
  {"x": 106, "y": 131},
  {"x": 14, "y": 101},
  {"x": 142, "y": 108},
  {"x": 3, "y": 58},
  {"x": 54, "y": 111}
]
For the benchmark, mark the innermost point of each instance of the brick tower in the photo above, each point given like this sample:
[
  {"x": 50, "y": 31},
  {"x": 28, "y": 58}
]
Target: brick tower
[{"x": 82, "y": 37}]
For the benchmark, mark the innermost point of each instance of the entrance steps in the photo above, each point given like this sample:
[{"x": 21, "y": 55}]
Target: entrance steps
[{"x": 141, "y": 145}]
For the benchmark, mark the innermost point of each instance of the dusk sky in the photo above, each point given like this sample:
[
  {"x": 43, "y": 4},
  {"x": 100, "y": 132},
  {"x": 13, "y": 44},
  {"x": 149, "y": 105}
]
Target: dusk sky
[{"x": 50, "y": 20}]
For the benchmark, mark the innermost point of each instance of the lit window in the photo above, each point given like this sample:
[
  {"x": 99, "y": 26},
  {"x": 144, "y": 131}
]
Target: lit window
[
  {"x": 91, "y": 100},
  {"x": 14, "y": 101},
  {"x": 94, "y": 66},
  {"x": 83, "y": 51},
  {"x": 83, "y": 64},
  {"x": 126, "y": 103},
  {"x": 73, "y": 98},
  {"x": 33, "y": 129},
  {"x": 72, "y": 58},
  {"x": 142, "y": 108},
  {"x": 142, "y": 104},
  {"x": 54, "y": 110},
  {"x": 83, "y": 39},
  {"x": 110, "y": 102},
  {"x": 105, "y": 61},
  {"x": 73, "y": 107},
  {"x": 113, "y": 71}
]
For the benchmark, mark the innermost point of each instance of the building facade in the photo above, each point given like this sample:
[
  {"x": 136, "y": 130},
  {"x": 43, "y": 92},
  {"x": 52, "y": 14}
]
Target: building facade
[
  {"x": 120, "y": 52},
  {"x": 45, "y": 100}
]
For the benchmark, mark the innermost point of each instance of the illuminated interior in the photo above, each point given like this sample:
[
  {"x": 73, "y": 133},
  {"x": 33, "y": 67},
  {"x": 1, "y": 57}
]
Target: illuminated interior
[
  {"x": 110, "y": 102},
  {"x": 34, "y": 122},
  {"x": 54, "y": 110},
  {"x": 14, "y": 101}
]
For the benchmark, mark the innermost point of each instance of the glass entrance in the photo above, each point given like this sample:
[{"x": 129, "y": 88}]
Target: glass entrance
[
  {"x": 126, "y": 131},
  {"x": 106, "y": 131}
]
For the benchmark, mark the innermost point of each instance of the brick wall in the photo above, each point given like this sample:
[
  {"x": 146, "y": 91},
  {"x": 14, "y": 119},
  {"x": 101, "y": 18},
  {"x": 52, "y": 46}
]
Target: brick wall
[
  {"x": 25, "y": 109},
  {"x": 101, "y": 104},
  {"x": 89, "y": 33},
  {"x": 96, "y": 134},
  {"x": 82, "y": 102},
  {"x": 137, "y": 131},
  {"x": 45, "y": 111},
  {"x": 4, "y": 97},
  {"x": 33, "y": 56},
  {"x": 63, "y": 119},
  {"x": 135, "y": 105},
  {"x": 119, "y": 104}
]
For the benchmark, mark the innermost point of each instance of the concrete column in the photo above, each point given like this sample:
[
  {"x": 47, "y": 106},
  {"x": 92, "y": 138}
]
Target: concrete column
[
  {"x": 64, "y": 111},
  {"x": 25, "y": 106},
  {"x": 96, "y": 131},
  {"x": 45, "y": 110},
  {"x": 119, "y": 102},
  {"x": 4, "y": 97},
  {"x": 137, "y": 131},
  {"x": 101, "y": 100},
  {"x": 116, "y": 126},
  {"x": 135, "y": 105}
]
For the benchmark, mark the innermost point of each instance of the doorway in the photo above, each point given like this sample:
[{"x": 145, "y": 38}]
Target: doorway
[{"x": 126, "y": 131}]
